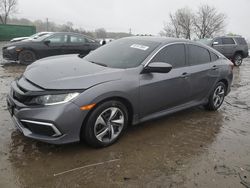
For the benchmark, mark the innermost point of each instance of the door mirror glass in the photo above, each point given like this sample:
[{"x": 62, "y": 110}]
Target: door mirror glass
[{"x": 157, "y": 67}]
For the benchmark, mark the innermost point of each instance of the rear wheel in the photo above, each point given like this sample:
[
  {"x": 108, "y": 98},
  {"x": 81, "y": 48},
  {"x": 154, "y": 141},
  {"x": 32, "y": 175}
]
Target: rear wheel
[
  {"x": 105, "y": 124},
  {"x": 216, "y": 98},
  {"x": 237, "y": 60},
  {"x": 26, "y": 57}
]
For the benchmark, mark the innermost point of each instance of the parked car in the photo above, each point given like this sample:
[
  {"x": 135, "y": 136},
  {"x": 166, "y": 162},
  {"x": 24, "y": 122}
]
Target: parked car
[
  {"x": 50, "y": 44},
  {"x": 68, "y": 98},
  {"x": 35, "y": 36},
  {"x": 234, "y": 48}
]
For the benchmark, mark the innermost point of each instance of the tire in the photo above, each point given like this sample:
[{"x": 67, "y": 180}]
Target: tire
[
  {"x": 26, "y": 57},
  {"x": 237, "y": 59},
  {"x": 106, "y": 124},
  {"x": 216, "y": 98}
]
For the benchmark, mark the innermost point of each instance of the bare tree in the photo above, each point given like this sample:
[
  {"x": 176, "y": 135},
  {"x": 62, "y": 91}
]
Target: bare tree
[
  {"x": 7, "y": 7},
  {"x": 169, "y": 31},
  {"x": 184, "y": 19},
  {"x": 208, "y": 22},
  {"x": 180, "y": 24}
]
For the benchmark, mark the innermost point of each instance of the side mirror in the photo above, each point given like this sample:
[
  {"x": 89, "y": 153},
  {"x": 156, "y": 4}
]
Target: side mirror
[
  {"x": 47, "y": 42},
  {"x": 158, "y": 67},
  {"x": 215, "y": 43}
]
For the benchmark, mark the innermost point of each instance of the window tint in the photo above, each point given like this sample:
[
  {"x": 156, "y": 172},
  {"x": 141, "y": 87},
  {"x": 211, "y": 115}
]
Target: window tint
[
  {"x": 227, "y": 41},
  {"x": 214, "y": 57},
  {"x": 58, "y": 39},
  {"x": 218, "y": 40},
  {"x": 241, "y": 41},
  {"x": 77, "y": 39},
  {"x": 198, "y": 55},
  {"x": 173, "y": 54}
]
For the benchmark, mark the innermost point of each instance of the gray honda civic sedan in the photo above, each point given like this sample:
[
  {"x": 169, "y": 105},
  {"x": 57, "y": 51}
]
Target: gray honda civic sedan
[{"x": 69, "y": 98}]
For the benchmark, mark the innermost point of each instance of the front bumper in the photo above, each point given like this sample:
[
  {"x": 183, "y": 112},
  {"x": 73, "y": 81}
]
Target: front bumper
[
  {"x": 58, "y": 124},
  {"x": 11, "y": 55}
]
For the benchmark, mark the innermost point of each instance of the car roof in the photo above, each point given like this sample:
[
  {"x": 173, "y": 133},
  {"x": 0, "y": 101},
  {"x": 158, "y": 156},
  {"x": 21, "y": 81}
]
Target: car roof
[
  {"x": 165, "y": 40},
  {"x": 72, "y": 33}
]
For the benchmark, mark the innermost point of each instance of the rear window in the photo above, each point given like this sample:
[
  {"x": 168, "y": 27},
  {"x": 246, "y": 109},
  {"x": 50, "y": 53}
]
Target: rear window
[
  {"x": 241, "y": 41},
  {"x": 227, "y": 41},
  {"x": 197, "y": 55}
]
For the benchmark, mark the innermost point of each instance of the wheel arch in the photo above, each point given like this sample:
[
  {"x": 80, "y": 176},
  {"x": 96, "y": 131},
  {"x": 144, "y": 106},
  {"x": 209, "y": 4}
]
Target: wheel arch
[
  {"x": 123, "y": 100},
  {"x": 224, "y": 81},
  {"x": 238, "y": 52}
]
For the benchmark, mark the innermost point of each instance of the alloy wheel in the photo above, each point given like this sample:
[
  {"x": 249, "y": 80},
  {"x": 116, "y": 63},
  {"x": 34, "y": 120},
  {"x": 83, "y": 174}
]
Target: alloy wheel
[
  {"x": 109, "y": 124},
  {"x": 238, "y": 60},
  {"x": 218, "y": 97}
]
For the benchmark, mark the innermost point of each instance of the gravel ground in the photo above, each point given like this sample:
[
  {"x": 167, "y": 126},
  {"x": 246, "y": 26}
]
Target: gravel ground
[{"x": 192, "y": 148}]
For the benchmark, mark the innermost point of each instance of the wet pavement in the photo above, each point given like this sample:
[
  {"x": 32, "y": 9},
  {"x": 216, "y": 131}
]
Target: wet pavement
[{"x": 192, "y": 148}]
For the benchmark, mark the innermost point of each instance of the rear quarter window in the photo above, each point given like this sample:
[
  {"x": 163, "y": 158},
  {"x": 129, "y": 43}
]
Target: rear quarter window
[{"x": 241, "y": 41}]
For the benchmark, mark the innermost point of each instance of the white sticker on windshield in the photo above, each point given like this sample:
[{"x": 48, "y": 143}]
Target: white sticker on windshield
[{"x": 140, "y": 47}]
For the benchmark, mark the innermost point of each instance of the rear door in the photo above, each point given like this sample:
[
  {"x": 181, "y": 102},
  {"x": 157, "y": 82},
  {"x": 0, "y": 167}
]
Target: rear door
[
  {"x": 79, "y": 45},
  {"x": 229, "y": 46},
  {"x": 217, "y": 44},
  {"x": 204, "y": 71},
  {"x": 161, "y": 91}
]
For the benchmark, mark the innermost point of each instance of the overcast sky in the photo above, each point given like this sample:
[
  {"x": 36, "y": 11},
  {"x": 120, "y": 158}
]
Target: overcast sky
[{"x": 142, "y": 16}]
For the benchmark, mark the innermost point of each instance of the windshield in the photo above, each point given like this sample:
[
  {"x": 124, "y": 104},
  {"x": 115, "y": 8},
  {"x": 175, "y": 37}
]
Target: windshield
[
  {"x": 122, "y": 53},
  {"x": 43, "y": 37}
]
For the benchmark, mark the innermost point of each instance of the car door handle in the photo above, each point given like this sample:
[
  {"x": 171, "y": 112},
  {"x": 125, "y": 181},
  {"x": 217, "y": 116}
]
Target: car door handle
[
  {"x": 214, "y": 67},
  {"x": 184, "y": 75}
]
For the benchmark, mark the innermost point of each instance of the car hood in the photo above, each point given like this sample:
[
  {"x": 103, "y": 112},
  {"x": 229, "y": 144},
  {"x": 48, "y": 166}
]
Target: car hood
[
  {"x": 69, "y": 72},
  {"x": 20, "y": 43},
  {"x": 19, "y": 38}
]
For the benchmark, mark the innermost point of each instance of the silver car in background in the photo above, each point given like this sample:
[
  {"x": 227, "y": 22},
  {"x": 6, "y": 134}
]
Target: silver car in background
[{"x": 69, "y": 98}]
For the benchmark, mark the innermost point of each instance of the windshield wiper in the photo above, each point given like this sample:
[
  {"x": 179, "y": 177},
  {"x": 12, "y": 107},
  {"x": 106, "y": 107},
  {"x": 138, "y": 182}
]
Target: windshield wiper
[{"x": 102, "y": 64}]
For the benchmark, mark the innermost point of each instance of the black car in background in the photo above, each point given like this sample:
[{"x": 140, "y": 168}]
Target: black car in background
[{"x": 57, "y": 43}]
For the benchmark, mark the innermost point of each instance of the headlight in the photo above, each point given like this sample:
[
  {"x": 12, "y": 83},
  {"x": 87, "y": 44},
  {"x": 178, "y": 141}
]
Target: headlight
[
  {"x": 11, "y": 47},
  {"x": 53, "y": 99}
]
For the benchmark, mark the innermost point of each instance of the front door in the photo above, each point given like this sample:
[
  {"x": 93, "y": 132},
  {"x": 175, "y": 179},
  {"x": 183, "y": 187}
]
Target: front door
[{"x": 161, "y": 91}]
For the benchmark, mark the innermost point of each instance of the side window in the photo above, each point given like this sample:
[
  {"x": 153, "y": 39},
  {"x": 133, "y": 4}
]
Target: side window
[
  {"x": 173, "y": 54},
  {"x": 227, "y": 41},
  {"x": 58, "y": 39},
  {"x": 197, "y": 55},
  {"x": 241, "y": 41},
  {"x": 77, "y": 39},
  {"x": 218, "y": 40},
  {"x": 214, "y": 57}
]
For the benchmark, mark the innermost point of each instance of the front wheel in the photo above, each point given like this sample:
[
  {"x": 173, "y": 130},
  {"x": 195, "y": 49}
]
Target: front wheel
[
  {"x": 105, "y": 124},
  {"x": 216, "y": 98},
  {"x": 26, "y": 57}
]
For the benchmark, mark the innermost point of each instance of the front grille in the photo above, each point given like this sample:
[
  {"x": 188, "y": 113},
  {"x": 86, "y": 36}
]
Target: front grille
[{"x": 39, "y": 129}]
